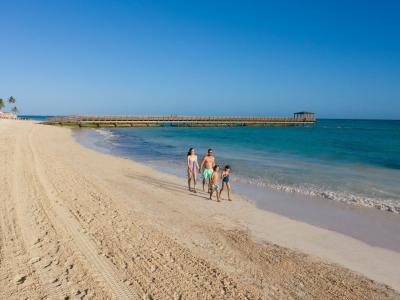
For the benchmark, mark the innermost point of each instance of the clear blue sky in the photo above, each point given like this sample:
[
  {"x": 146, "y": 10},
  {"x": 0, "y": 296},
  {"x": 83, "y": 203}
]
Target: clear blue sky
[{"x": 340, "y": 59}]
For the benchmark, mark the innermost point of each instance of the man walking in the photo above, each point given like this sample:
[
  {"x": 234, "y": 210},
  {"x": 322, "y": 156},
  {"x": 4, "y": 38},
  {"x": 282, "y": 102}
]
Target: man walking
[{"x": 208, "y": 163}]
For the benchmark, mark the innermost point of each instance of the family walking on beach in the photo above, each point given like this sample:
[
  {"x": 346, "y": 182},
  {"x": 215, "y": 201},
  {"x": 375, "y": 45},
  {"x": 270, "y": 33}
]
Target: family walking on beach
[{"x": 210, "y": 173}]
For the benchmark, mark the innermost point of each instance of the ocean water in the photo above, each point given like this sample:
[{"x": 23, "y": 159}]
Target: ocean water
[
  {"x": 352, "y": 161},
  {"x": 35, "y": 117}
]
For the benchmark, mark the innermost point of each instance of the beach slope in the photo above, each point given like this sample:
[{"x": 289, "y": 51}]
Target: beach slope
[{"x": 75, "y": 223}]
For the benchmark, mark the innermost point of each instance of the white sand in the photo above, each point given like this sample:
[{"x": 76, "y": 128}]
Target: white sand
[{"x": 77, "y": 223}]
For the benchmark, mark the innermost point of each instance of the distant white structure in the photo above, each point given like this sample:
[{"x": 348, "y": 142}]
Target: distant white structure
[{"x": 7, "y": 115}]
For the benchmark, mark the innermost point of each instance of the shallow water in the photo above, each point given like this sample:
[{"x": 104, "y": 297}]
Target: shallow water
[
  {"x": 352, "y": 161},
  {"x": 35, "y": 117}
]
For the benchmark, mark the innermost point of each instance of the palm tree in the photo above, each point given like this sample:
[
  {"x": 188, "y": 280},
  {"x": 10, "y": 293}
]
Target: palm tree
[
  {"x": 11, "y": 100},
  {"x": 1, "y": 104},
  {"x": 15, "y": 110}
]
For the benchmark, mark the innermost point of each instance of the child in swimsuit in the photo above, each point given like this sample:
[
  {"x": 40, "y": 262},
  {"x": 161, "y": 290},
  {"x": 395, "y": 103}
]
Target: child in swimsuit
[
  {"x": 214, "y": 183},
  {"x": 225, "y": 181},
  {"x": 192, "y": 169}
]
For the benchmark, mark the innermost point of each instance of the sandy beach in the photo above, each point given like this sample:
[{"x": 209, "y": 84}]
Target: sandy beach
[{"x": 79, "y": 224}]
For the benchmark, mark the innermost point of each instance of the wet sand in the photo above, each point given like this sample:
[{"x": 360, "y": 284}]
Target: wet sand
[
  {"x": 374, "y": 227},
  {"x": 75, "y": 223}
]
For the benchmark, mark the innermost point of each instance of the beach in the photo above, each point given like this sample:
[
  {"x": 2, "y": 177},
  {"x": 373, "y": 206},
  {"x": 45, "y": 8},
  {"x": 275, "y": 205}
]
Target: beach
[
  {"x": 355, "y": 162},
  {"x": 77, "y": 223}
]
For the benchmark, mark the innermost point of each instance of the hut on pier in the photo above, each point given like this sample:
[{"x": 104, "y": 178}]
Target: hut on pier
[{"x": 304, "y": 115}]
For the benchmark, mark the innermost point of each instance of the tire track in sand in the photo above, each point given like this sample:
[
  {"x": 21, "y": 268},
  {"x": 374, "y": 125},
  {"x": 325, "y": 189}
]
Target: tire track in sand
[
  {"x": 49, "y": 252},
  {"x": 17, "y": 278},
  {"x": 62, "y": 220},
  {"x": 33, "y": 222}
]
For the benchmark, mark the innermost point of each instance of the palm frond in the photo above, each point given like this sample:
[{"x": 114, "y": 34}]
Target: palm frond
[{"x": 11, "y": 100}]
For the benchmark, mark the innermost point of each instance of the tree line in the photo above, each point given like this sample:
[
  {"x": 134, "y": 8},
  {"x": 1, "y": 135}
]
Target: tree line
[{"x": 11, "y": 101}]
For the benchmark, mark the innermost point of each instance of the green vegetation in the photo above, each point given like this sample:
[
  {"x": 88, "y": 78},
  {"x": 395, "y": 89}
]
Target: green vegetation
[
  {"x": 11, "y": 101},
  {"x": 15, "y": 110}
]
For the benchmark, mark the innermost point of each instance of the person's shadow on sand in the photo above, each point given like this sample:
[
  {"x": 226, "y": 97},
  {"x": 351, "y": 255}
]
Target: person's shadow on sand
[{"x": 173, "y": 187}]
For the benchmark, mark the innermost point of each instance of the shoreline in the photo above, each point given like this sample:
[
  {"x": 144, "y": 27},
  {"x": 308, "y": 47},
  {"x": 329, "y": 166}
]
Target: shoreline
[
  {"x": 106, "y": 139},
  {"x": 373, "y": 226},
  {"x": 382, "y": 237},
  {"x": 128, "y": 229}
]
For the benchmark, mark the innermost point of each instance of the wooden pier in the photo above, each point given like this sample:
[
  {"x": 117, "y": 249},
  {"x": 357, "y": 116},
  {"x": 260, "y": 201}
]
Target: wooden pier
[{"x": 178, "y": 121}]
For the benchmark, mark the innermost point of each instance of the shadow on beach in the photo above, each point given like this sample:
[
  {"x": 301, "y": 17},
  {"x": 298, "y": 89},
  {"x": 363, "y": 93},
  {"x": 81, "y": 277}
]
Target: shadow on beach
[{"x": 174, "y": 187}]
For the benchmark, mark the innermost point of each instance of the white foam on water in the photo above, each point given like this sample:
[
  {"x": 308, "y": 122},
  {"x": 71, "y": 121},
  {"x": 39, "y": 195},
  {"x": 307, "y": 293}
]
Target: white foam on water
[
  {"x": 108, "y": 136},
  {"x": 390, "y": 205}
]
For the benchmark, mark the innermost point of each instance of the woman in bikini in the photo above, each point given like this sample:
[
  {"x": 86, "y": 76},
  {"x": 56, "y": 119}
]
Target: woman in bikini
[{"x": 192, "y": 169}]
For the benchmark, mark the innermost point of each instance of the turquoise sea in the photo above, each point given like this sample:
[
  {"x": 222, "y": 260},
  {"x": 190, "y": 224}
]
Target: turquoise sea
[
  {"x": 35, "y": 117},
  {"x": 352, "y": 161}
]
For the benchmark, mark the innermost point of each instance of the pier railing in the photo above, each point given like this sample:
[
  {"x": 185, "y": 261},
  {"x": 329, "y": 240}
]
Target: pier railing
[{"x": 187, "y": 121}]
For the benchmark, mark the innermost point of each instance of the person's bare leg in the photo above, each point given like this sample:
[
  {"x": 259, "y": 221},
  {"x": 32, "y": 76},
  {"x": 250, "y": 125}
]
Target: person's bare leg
[
  {"x": 211, "y": 192},
  {"x": 189, "y": 180},
  {"x": 228, "y": 185},
  {"x": 195, "y": 182},
  {"x": 217, "y": 196},
  {"x": 222, "y": 188},
  {"x": 204, "y": 184}
]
